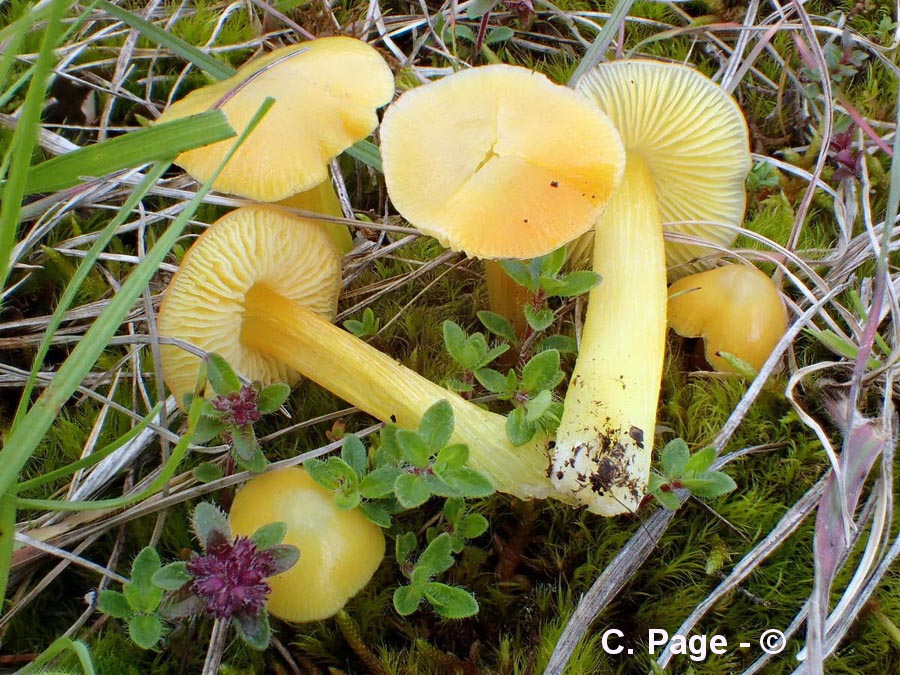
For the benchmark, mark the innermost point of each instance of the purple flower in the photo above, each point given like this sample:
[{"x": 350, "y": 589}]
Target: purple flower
[
  {"x": 231, "y": 577},
  {"x": 844, "y": 157},
  {"x": 238, "y": 408}
]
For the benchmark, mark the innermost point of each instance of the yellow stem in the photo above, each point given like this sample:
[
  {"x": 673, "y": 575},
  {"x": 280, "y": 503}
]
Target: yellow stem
[
  {"x": 605, "y": 438},
  {"x": 378, "y": 385},
  {"x": 323, "y": 199}
]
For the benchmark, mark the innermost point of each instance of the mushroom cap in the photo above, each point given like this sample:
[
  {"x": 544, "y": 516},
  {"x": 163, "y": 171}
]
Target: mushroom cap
[
  {"x": 326, "y": 92},
  {"x": 694, "y": 139},
  {"x": 339, "y": 550},
  {"x": 735, "y": 309},
  {"x": 499, "y": 162},
  {"x": 203, "y": 305}
]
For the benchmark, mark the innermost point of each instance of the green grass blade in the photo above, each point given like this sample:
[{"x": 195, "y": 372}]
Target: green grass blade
[
  {"x": 57, "y": 647},
  {"x": 169, "y": 469},
  {"x": 597, "y": 50},
  {"x": 129, "y": 150},
  {"x": 22, "y": 440},
  {"x": 72, "y": 288},
  {"x": 202, "y": 60},
  {"x": 93, "y": 458},
  {"x": 26, "y": 436},
  {"x": 25, "y": 137},
  {"x": 367, "y": 153}
]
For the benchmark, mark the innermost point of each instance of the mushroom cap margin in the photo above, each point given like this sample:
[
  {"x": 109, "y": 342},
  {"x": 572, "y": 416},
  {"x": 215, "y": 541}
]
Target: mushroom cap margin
[
  {"x": 325, "y": 101},
  {"x": 203, "y": 303},
  {"x": 499, "y": 162},
  {"x": 693, "y": 137}
]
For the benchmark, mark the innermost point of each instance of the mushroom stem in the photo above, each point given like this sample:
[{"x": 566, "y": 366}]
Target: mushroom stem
[
  {"x": 323, "y": 199},
  {"x": 505, "y": 296},
  {"x": 378, "y": 385},
  {"x": 605, "y": 438}
]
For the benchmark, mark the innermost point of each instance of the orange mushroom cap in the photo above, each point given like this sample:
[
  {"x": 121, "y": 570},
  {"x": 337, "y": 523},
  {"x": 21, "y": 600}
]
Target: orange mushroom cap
[
  {"x": 736, "y": 309},
  {"x": 499, "y": 162},
  {"x": 326, "y": 93}
]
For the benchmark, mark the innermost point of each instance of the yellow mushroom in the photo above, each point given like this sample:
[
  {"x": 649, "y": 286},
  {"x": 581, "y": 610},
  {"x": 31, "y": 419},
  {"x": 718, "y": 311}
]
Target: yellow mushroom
[
  {"x": 736, "y": 309},
  {"x": 339, "y": 550},
  {"x": 326, "y": 95},
  {"x": 687, "y": 155},
  {"x": 259, "y": 287}
]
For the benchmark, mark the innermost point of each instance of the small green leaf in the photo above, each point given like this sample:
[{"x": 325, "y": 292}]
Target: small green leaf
[
  {"x": 472, "y": 525},
  {"x": 388, "y": 451},
  {"x": 206, "y": 519},
  {"x": 674, "y": 456},
  {"x": 552, "y": 263},
  {"x": 518, "y": 429},
  {"x": 450, "y": 602},
  {"x": 537, "y": 406},
  {"x": 353, "y": 452},
  {"x": 269, "y": 535},
  {"x": 145, "y": 565},
  {"x": 572, "y": 284},
  {"x": 468, "y": 482},
  {"x": 491, "y": 355},
  {"x": 462, "y": 32},
  {"x": 271, "y": 398},
  {"x": 495, "y": 382},
  {"x": 254, "y": 629},
  {"x": 243, "y": 442},
  {"x": 207, "y": 472},
  {"x": 221, "y": 375},
  {"x": 454, "y": 509},
  {"x": 332, "y": 474},
  {"x": 145, "y": 630},
  {"x": 454, "y": 341},
  {"x": 115, "y": 604},
  {"x": 376, "y": 514},
  {"x": 404, "y": 546},
  {"x": 380, "y": 482},
  {"x": 538, "y": 319},
  {"x": 700, "y": 462},
  {"x": 437, "y": 556},
  {"x": 407, "y": 600},
  {"x": 520, "y": 273},
  {"x": 207, "y": 429},
  {"x": 498, "y": 325},
  {"x": 348, "y": 498},
  {"x": 256, "y": 464},
  {"x": 711, "y": 484},
  {"x": 173, "y": 576},
  {"x": 479, "y": 8},
  {"x": 561, "y": 343},
  {"x": 542, "y": 372},
  {"x": 453, "y": 456},
  {"x": 411, "y": 490},
  {"x": 414, "y": 448},
  {"x": 436, "y": 426},
  {"x": 668, "y": 500}
]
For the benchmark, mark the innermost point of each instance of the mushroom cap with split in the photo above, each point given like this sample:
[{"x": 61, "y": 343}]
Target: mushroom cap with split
[
  {"x": 499, "y": 162},
  {"x": 326, "y": 93},
  {"x": 736, "y": 309},
  {"x": 204, "y": 302},
  {"x": 693, "y": 138},
  {"x": 339, "y": 550}
]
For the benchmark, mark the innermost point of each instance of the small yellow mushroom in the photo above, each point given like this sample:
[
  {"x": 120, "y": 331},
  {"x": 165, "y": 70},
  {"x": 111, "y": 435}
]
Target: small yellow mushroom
[
  {"x": 339, "y": 550},
  {"x": 736, "y": 309}
]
